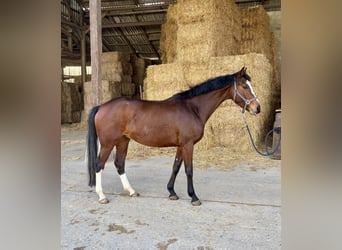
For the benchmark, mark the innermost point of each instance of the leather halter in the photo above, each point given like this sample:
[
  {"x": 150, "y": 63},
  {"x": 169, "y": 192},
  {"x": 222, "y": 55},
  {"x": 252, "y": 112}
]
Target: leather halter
[{"x": 247, "y": 101}]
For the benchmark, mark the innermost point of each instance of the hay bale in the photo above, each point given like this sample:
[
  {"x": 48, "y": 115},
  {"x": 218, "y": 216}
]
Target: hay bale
[
  {"x": 168, "y": 38},
  {"x": 190, "y": 11},
  {"x": 256, "y": 36},
  {"x": 195, "y": 31},
  {"x": 110, "y": 90},
  {"x": 72, "y": 104},
  {"x": 225, "y": 127},
  {"x": 163, "y": 81},
  {"x": 195, "y": 73},
  {"x": 139, "y": 66},
  {"x": 109, "y": 57}
]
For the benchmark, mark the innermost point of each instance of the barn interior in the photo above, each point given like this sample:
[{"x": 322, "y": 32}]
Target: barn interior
[{"x": 152, "y": 49}]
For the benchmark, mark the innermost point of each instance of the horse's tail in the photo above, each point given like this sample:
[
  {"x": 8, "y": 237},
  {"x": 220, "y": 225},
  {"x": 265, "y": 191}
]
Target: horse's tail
[{"x": 92, "y": 147}]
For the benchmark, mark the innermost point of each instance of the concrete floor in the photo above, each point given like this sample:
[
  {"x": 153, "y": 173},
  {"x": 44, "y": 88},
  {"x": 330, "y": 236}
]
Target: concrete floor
[{"x": 240, "y": 207}]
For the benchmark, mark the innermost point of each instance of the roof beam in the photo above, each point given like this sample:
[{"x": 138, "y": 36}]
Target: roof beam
[
  {"x": 121, "y": 25},
  {"x": 132, "y": 12}
]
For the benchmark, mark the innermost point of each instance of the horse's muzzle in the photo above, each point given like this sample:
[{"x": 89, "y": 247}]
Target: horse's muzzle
[{"x": 254, "y": 108}]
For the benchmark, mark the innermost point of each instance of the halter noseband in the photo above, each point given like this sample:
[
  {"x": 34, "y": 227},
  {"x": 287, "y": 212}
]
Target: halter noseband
[{"x": 247, "y": 101}]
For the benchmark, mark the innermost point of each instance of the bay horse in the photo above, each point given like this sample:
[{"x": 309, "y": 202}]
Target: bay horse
[{"x": 174, "y": 122}]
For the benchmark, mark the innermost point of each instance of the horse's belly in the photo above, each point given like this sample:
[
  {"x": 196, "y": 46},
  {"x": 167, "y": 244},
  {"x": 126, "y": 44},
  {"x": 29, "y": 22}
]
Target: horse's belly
[{"x": 155, "y": 136}]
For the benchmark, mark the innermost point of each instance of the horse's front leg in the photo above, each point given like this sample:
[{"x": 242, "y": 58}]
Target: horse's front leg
[
  {"x": 187, "y": 157},
  {"x": 175, "y": 169}
]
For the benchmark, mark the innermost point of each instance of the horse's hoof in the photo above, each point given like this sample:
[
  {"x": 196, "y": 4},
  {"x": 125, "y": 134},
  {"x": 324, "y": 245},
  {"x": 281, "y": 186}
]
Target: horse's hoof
[
  {"x": 135, "y": 194},
  {"x": 173, "y": 197},
  {"x": 103, "y": 201},
  {"x": 196, "y": 203}
]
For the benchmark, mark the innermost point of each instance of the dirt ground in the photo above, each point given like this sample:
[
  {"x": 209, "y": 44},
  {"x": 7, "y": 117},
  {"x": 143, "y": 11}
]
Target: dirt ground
[{"x": 240, "y": 202}]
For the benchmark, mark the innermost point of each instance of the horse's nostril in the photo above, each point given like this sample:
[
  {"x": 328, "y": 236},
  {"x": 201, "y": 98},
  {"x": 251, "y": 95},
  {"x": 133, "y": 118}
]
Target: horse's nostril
[{"x": 258, "y": 109}]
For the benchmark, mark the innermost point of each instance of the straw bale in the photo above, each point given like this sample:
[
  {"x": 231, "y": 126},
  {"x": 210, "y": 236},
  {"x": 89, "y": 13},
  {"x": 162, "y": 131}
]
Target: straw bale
[
  {"x": 195, "y": 52},
  {"x": 195, "y": 31},
  {"x": 225, "y": 127},
  {"x": 109, "y": 57},
  {"x": 168, "y": 38},
  {"x": 163, "y": 81},
  {"x": 112, "y": 67},
  {"x": 110, "y": 90},
  {"x": 190, "y": 11},
  {"x": 195, "y": 73},
  {"x": 71, "y": 102},
  {"x": 112, "y": 76},
  {"x": 255, "y": 33},
  {"x": 255, "y": 16}
]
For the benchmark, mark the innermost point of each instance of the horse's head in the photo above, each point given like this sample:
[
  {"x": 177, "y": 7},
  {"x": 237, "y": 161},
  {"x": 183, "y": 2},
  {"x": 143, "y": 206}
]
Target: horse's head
[{"x": 244, "y": 95}]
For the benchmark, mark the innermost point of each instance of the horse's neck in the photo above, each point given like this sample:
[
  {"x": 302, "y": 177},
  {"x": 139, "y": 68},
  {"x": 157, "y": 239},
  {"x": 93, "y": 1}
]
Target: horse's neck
[{"x": 209, "y": 102}]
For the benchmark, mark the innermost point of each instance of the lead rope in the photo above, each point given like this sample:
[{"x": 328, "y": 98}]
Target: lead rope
[{"x": 277, "y": 130}]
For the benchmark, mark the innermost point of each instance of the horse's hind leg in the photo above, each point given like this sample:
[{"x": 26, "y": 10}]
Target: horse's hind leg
[
  {"x": 120, "y": 157},
  {"x": 103, "y": 156},
  {"x": 175, "y": 169}
]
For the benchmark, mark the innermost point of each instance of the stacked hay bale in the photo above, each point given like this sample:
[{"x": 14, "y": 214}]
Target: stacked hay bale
[
  {"x": 139, "y": 66},
  {"x": 162, "y": 81},
  {"x": 168, "y": 38},
  {"x": 202, "y": 40},
  {"x": 71, "y": 102},
  {"x": 206, "y": 29},
  {"x": 257, "y": 37},
  {"x": 117, "y": 68},
  {"x": 226, "y": 128},
  {"x": 117, "y": 74},
  {"x": 194, "y": 32}
]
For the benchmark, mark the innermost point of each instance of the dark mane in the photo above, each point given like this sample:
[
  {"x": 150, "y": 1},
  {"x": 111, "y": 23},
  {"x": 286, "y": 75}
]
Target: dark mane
[{"x": 207, "y": 86}]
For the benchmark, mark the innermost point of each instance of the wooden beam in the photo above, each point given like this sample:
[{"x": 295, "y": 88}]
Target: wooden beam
[
  {"x": 83, "y": 57},
  {"x": 131, "y": 24},
  {"x": 132, "y": 12},
  {"x": 96, "y": 50},
  {"x": 70, "y": 42},
  {"x": 83, "y": 48}
]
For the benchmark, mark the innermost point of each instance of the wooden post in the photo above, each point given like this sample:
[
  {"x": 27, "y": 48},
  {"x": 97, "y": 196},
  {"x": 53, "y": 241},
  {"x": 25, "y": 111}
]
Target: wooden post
[
  {"x": 83, "y": 57},
  {"x": 96, "y": 49},
  {"x": 83, "y": 49}
]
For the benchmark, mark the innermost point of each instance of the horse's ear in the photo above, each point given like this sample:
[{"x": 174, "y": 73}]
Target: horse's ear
[{"x": 242, "y": 71}]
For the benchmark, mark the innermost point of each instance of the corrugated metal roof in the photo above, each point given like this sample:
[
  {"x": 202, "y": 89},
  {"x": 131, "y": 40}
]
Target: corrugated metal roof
[{"x": 127, "y": 25}]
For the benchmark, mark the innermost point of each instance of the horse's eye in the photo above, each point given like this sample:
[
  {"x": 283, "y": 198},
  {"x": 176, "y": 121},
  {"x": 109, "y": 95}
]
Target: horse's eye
[{"x": 245, "y": 86}]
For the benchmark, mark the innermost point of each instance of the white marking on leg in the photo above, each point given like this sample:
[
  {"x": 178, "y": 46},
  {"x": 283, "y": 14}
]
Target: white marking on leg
[
  {"x": 98, "y": 147},
  {"x": 99, "y": 185},
  {"x": 126, "y": 185}
]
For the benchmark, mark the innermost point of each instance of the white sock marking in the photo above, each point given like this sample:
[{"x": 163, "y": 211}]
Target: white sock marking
[
  {"x": 99, "y": 185},
  {"x": 126, "y": 185}
]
